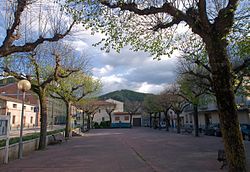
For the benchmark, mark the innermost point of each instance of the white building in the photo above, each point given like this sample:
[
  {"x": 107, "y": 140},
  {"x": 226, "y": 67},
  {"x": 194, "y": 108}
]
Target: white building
[
  {"x": 13, "y": 107},
  {"x": 104, "y": 106}
]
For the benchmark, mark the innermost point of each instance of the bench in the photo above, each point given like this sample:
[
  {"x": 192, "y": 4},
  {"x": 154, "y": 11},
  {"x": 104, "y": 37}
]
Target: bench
[
  {"x": 55, "y": 139},
  {"x": 187, "y": 130},
  {"x": 222, "y": 158}
]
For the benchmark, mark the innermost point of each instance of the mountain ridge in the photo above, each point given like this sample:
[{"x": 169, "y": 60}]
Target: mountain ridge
[{"x": 125, "y": 95}]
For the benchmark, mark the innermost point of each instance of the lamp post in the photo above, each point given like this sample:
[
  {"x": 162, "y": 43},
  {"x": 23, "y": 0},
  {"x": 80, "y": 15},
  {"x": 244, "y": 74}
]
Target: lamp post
[{"x": 23, "y": 85}]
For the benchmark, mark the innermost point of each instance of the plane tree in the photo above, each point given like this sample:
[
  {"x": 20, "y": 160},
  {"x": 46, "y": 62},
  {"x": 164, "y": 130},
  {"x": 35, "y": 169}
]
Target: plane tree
[
  {"x": 41, "y": 73},
  {"x": 109, "y": 108},
  {"x": 132, "y": 107},
  {"x": 150, "y": 26},
  {"x": 72, "y": 90},
  {"x": 152, "y": 106},
  {"x": 165, "y": 104},
  {"x": 177, "y": 102},
  {"x": 89, "y": 107}
]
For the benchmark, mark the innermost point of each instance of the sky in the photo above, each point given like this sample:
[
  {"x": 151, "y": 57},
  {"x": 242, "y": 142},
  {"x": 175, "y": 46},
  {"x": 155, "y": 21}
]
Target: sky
[{"x": 136, "y": 71}]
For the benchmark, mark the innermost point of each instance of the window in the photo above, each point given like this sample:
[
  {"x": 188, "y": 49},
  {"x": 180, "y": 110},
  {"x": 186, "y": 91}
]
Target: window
[
  {"x": 14, "y": 105},
  {"x": 13, "y": 119},
  {"x": 99, "y": 110},
  {"x": 126, "y": 118},
  {"x": 32, "y": 108},
  {"x": 190, "y": 119},
  {"x": 117, "y": 118},
  {"x": 31, "y": 119},
  {"x": 103, "y": 119},
  {"x": 24, "y": 119},
  {"x": 24, "y": 107}
]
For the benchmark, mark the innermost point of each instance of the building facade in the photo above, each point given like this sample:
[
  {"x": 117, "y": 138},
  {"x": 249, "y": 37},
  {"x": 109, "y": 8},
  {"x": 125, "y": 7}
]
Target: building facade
[
  {"x": 13, "y": 108},
  {"x": 56, "y": 108}
]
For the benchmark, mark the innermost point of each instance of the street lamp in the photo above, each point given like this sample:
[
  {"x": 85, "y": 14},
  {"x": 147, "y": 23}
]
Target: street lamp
[{"x": 23, "y": 85}]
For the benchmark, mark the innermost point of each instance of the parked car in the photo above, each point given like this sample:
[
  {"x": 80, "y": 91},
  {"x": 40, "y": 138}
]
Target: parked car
[
  {"x": 245, "y": 130},
  {"x": 213, "y": 130}
]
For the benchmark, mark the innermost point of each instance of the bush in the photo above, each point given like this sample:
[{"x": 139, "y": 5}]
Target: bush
[
  {"x": 96, "y": 125},
  {"x": 104, "y": 124}
]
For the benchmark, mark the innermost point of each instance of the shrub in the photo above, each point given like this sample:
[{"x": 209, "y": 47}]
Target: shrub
[
  {"x": 96, "y": 125},
  {"x": 104, "y": 124}
]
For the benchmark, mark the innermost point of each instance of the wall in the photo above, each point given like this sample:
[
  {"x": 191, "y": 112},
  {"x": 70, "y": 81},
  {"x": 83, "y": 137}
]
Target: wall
[
  {"x": 28, "y": 114},
  {"x": 100, "y": 114},
  {"x": 119, "y": 105},
  {"x": 28, "y": 147},
  {"x": 244, "y": 117}
]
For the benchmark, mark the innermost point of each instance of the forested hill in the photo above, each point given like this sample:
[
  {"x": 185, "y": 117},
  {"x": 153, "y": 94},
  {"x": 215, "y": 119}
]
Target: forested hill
[{"x": 123, "y": 95}]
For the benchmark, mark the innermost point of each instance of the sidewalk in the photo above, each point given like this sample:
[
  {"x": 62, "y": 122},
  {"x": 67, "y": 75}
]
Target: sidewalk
[{"x": 126, "y": 150}]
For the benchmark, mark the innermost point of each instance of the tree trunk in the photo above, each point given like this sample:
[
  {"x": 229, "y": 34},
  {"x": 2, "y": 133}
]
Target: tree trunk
[
  {"x": 88, "y": 122},
  {"x": 167, "y": 121},
  {"x": 196, "y": 120},
  {"x": 82, "y": 121},
  {"x": 43, "y": 120},
  {"x": 159, "y": 120},
  {"x": 130, "y": 119},
  {"x": 110, "y": 120},
  {"x": 68, "y": 120},
  {"x": 222, "y": 76},
  {"x": 178, "y": 123},
  {"x": 150, "y": 120}
]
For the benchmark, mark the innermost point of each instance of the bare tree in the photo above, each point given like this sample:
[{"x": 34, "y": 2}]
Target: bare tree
[
  {"x": 165, "y": 103},
  {"x": 29, "y": 23},
  {"x": 109, "y": 108},
  {"x": 177, "y": 101},
  {"x": 152, "y": 106},
  {"x": 132, "y": 107}
]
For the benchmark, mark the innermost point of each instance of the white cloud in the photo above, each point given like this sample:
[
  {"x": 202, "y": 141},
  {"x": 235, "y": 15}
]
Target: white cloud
[
  {"x": 150, "y": 88},
  {"x": 102, "y": 71}
]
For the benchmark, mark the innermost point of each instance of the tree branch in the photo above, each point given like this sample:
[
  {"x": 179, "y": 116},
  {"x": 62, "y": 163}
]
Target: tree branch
[
  {"x": 10, "y": 37},
  {"x": 166, "y": 25},
  {"x": 165, "y": 8},
  {"x": 7, "y": 48},
  {"x": 224, "y": 22},
  {"x": 241, "y": 67},
  {"x": 203, "y": 13}
]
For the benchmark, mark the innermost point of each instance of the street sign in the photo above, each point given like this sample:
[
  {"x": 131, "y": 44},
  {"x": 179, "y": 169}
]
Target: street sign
[
  {"x": 3, "y": 126},
  {"x": 5, "y": 134}
]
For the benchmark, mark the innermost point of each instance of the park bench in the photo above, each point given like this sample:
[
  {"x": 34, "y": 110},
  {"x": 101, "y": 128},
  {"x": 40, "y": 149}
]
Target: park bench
[
  {"x": 222, "y": 158},
  {"x": 56, "y": 138}
]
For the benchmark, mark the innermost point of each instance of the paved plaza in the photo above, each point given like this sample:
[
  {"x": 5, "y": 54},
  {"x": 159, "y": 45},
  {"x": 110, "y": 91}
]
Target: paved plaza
[{"x": 126, "y": 150}]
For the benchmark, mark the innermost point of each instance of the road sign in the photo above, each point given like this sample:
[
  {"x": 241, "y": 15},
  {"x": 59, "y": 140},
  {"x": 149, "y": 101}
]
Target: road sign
[{"x": 5, "y": 134}]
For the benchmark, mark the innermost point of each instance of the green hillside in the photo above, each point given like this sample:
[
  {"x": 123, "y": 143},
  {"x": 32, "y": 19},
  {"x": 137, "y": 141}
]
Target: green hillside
[{"x": 123, "y": 95}]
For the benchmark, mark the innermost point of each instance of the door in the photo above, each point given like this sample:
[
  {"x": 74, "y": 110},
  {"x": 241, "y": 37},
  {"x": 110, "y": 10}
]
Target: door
[{"x": 136, "y": 122}]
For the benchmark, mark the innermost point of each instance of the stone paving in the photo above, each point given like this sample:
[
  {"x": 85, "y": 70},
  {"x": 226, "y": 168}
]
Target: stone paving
[{"x": 126, "y": 150}]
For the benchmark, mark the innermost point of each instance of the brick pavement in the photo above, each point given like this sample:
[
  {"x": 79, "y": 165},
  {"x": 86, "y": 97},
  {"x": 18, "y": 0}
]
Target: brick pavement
[{"x": 126, "y": 150}]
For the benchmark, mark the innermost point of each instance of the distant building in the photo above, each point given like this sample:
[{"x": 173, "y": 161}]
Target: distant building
[
  {"x": 208, "y": 114},
  {"x": 101, "y": 114},
  {"x": 56, "y": 109},
  {"x": 13, "y": 108}
]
